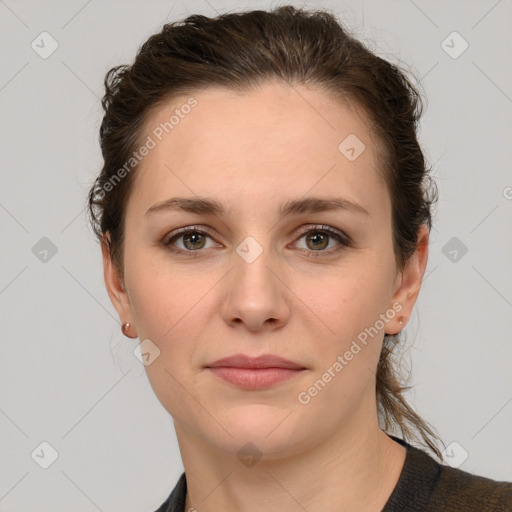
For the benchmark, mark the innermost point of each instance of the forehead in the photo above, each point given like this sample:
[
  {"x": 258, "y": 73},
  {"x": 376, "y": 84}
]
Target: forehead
[
  {"x": 270, "y": 140},
  {"x": 260, "y": 121}
]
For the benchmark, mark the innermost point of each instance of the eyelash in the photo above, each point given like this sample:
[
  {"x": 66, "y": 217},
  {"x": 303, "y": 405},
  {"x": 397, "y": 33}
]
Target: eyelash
[{"x": 340, "y": 237}]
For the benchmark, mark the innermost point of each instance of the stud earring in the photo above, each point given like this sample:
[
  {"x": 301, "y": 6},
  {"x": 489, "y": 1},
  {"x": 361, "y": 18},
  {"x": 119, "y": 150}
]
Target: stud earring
[{"x": 124, "y": 329}]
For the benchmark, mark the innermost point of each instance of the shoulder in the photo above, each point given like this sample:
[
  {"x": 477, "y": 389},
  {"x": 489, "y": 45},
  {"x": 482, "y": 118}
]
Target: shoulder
[
  {"x": 425, "y": 485},
  {"x": 465, "y": 491}
]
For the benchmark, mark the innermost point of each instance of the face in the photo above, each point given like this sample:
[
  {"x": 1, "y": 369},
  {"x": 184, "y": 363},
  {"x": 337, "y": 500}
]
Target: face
[{"x": 269, "y": 274}]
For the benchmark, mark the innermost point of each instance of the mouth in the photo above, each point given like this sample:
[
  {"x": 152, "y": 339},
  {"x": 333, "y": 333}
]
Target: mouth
[{"x": 254, "y": 373}]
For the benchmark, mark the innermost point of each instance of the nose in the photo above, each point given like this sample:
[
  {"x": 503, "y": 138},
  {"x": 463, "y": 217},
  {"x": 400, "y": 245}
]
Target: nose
[{"x": 255, "y": 294}]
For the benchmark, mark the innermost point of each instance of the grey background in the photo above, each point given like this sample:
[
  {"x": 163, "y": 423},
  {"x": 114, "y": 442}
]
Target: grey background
[{"x": 69, "y": 377}]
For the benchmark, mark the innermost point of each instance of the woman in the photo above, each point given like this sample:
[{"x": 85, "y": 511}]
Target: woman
[{"x": 264, "y": 213}]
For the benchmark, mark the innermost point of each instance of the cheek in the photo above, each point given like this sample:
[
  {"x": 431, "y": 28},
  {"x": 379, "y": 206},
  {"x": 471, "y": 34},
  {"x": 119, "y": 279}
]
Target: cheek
[
  {"x": 346, "y": 328},
  {"x": 173, "y": 308},
  {"x": 345, "y": 341},
  {"x": 163, "y": 297},
  {"x": 168, "y": 310},
  {"x": 344, "y": 302}
]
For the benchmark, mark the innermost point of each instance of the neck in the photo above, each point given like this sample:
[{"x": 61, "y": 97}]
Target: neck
[{"x": 355, "y": 470}]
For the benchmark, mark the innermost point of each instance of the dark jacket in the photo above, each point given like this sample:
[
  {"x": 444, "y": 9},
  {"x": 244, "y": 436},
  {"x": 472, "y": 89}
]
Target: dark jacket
[{"x": 424, "y": 485}]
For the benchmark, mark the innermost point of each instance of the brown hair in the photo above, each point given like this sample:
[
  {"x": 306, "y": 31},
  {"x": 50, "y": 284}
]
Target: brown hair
[{"x": 239, "y": 51}]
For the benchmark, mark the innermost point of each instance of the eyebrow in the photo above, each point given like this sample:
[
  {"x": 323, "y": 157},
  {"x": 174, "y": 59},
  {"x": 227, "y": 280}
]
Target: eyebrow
[{"x": 208, "y": 206}]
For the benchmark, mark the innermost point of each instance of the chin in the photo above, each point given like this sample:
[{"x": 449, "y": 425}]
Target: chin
[
  {"x": 249, "y": 448},
  {"x": 262, "y": 427}
]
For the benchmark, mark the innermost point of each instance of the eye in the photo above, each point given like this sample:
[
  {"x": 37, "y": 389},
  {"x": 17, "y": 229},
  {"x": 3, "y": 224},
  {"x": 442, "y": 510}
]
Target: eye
[
  {"x": 317, "y": 239},
  {"x": 193, "y": 240}
]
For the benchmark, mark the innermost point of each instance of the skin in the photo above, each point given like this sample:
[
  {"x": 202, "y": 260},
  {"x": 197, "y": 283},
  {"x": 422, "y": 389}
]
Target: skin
[{"x": 253, "y": 151}]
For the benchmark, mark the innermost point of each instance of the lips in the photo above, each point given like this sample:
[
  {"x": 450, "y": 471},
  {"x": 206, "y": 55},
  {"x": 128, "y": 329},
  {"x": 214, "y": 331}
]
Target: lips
[
  {"x": 264, "y": 361},
  {"x": 254, "y": 373}
]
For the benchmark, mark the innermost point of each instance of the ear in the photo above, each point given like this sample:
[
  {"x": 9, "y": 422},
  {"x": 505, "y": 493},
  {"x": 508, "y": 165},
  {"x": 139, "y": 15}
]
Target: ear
[
  {"x": 114, "y": 283},
  {"x": 408, "y": 283}
]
